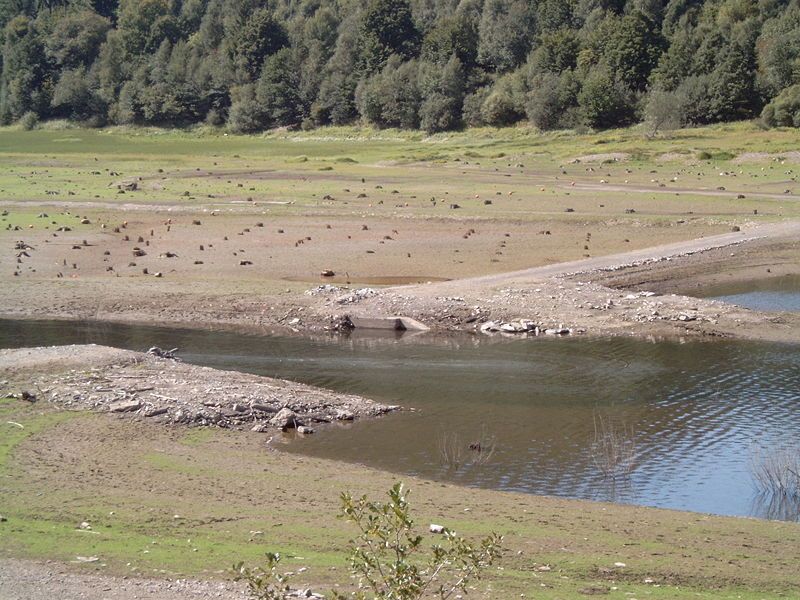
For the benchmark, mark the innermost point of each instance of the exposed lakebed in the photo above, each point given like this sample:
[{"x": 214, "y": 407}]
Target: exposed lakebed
[{"x": 696, "y": 409}]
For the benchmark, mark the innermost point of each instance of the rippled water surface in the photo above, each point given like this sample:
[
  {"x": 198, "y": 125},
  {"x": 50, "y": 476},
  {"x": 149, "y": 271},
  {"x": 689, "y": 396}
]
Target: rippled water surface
[
  {"x": 777, "y": 294},
  {"x": 696, "y": 409}
]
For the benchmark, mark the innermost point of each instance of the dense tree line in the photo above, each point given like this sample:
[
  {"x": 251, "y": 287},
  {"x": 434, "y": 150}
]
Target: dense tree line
[{"x": 431, "y": 64}]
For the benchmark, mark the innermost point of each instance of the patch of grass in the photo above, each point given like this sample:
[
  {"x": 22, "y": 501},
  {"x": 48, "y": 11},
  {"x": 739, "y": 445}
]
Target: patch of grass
[
  {"x": 32, "y": 423},
  {"x": 235, "y": 501},
  {"x": 197, "y": 436},
  {"x": 715, "y": 155}
]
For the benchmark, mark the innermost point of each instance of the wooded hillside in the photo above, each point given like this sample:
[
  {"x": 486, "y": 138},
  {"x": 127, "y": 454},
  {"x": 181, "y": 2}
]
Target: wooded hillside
[{"x": 431, "y": 64}]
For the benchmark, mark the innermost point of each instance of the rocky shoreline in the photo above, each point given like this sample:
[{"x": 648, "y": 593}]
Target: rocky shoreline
[{"x": 165, "y": 390}]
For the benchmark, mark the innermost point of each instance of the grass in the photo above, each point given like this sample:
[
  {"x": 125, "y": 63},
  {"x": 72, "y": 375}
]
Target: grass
[
  {"x": 213, "y": 497},
  {"x": 13, "y": 434},
  {"x": 80, "y": 165},
  {"x": 130, "y": 480}
]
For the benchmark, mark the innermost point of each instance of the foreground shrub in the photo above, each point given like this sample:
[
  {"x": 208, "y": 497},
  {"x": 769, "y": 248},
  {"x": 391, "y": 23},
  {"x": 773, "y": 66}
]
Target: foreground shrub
[{"x": 387, "y": 557}]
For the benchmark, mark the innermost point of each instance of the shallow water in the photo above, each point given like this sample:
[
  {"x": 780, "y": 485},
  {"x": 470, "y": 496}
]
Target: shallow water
[
  {"x": 770, "y": 295},
  {"x": 696, "y": 409}
]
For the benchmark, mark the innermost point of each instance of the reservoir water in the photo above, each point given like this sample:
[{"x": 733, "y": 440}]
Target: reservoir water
[
  {"x": 770, "y": 295},
  {"x": 691, "y": 413}
]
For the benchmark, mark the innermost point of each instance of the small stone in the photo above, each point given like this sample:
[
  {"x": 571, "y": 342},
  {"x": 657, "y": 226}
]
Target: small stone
[
  {"x": 305, "y": 430},
  {"x": 436, "y": 528},
  {"x": 122, "y": 407}
]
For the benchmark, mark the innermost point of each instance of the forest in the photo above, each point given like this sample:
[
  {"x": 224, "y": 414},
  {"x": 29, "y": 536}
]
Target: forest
[{"x": 436, "y": 65}]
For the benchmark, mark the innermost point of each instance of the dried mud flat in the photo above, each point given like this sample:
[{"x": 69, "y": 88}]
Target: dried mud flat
[{"x": 147, "y": 386}]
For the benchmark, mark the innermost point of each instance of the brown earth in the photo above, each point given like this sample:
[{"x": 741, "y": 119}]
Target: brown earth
[
  {"x": 278, "y": 289},
  {"x": 127, "y": 477}
]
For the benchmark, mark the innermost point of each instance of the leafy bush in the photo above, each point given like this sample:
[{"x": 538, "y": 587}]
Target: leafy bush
[
  {"x": 784, "y": 110},
  {"x": 28, "y": 121},
  {"x": 387, "y": 557}
]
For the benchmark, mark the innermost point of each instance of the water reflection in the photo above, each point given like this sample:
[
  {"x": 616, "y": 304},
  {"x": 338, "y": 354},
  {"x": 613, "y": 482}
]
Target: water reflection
[
  {"x": 776, "y": 507},
  {"x": 694, "y": 408}
]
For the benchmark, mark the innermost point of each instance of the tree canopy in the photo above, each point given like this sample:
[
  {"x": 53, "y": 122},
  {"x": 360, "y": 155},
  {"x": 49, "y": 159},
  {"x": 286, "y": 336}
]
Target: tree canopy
[{"x": 431, "y": 64}]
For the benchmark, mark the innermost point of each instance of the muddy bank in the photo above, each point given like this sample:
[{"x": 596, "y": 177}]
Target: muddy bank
[
  {"x": 636, "y": 301},
  {"x": 755, "y": 261},
  {"x": 152, "y": 387},
  {"x": 639, "y": 293}
]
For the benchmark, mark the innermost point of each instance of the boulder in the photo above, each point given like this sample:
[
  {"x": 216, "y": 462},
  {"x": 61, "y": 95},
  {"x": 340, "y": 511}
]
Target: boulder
[{"x": 285, "y": 419}]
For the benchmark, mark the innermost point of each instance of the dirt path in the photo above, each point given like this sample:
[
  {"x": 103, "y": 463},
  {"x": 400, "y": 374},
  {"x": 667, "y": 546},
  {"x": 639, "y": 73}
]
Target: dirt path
[
  {"x": 29, "y": 580},
  {"x": 630, "y": 189},
  {"x": 612, "y": 262}
]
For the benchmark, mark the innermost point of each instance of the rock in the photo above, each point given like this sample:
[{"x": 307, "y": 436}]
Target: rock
[
  {"x": 260, "y": 427},
  {"x": 306, "y": 594},
  {"x": 85, "y": 525},
  {"x": 285, "y": 419},
  {"x": 327, "y": 273},
  {"x": 123, "y": 407},
  {"x": 128, "y": 186},
  {"x": 86, "y": 559},
  {"x": 305, "y": 430},
  {"x": 436, "y": 528},
  {"x": 490, "y": 326},
  {"x": 3, "y": 519},
  {"x": 344, "y": 415},
  {"x": 155, "y": 412},
  {"x": 156, "y": 351}
]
